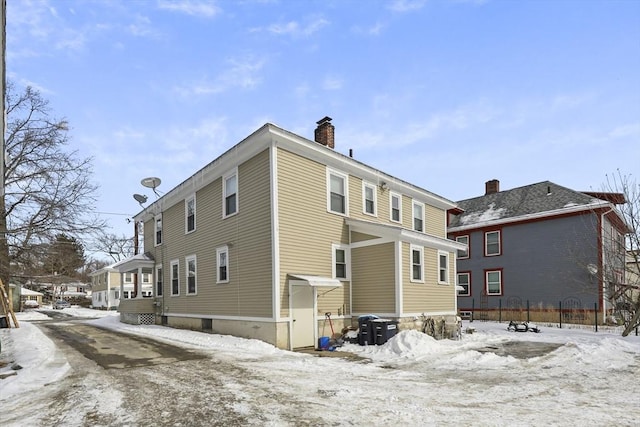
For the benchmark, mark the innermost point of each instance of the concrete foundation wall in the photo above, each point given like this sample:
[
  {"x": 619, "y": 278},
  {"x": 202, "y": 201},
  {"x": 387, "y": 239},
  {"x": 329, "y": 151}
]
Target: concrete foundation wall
[{"x": 273, "y": 333}]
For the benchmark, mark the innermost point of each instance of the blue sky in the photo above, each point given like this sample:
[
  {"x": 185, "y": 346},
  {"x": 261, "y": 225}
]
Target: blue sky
[{"x": 443, "y": 94}]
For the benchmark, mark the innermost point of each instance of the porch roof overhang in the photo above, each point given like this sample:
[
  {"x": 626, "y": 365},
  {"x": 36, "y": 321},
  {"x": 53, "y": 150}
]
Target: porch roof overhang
[
  {"x": 135, "y": 262},
  {"x": 304, "y": 279},
  {"x": 396, "y": 233}
]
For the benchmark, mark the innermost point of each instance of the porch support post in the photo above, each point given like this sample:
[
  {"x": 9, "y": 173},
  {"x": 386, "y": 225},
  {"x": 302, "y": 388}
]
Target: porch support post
[{"x": 138, "y": 283}]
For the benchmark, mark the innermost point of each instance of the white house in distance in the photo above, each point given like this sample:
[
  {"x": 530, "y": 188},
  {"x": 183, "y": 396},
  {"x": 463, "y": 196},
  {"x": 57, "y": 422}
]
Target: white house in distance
[{"x": 109, "y": 287}]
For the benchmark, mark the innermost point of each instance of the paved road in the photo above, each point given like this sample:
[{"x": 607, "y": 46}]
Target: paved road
[
  {"x": 118, "y": 379},
  {"x": 115, "y": 350}
]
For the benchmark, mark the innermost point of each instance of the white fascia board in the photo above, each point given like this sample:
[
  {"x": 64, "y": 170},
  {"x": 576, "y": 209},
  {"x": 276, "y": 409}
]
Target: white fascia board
[{"x": 528, "y": 217}]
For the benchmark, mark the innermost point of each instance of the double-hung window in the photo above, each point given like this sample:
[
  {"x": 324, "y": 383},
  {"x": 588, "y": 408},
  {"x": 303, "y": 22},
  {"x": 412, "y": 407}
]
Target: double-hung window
[
  {"x": 417, "y": 263},
  {"x": 464, "y": 282},
  {"x": 128, "y": 277},
  {"x": 158, "y": 229},
  {"x": 369, "y": 196},
  {"x": 230, "y": 194},
  {"x": 192, "y": 278},
  {"x": 190, "y": 214},
  {"x": 396, "y": 207},
  {"x": 341, "y": 256},
  {"x": 175, "y": 278},
  {"x": 493, "y": 282},
  {"x": 443, "y": 268},
  {"x": 338, "y": 197},
  {"x": 222, "y": 257},
  {"x": 159, "y": 286},
  {"x": 418, "y": 216},
  {"x": 492, "y": 243},
  {"x": 463, "y": 254}
]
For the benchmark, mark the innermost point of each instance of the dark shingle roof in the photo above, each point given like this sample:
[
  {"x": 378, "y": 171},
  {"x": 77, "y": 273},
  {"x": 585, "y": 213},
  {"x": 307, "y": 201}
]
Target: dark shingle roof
[{"x": 528, "y": 200}]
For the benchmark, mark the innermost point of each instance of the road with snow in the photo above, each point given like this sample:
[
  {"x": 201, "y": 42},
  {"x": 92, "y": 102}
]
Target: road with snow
[{"x": 102, "y": 372}]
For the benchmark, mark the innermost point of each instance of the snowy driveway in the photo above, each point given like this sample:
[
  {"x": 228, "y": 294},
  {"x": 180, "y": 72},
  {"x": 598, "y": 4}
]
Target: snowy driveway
[
  {"x": 589, "y": 379},
  {"x": 112, "y": 349}
]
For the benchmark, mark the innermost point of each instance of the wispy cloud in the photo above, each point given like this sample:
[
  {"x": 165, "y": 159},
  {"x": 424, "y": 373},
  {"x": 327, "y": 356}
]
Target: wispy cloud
[
  {"x": 423, "y": 129},
  {"x": 332, "y": 83},
  {"x": 372, "y": 30},
  {"x": 206, "y": 9},
  {"x": 40, "y": 21},
  {"x": 296, "y": 29},
  {"x": 406, "y": 5},
  {"x": 241, "y": 73},
  {"x": 626, "y": 131},
  {"x": 569, "y": 101}
]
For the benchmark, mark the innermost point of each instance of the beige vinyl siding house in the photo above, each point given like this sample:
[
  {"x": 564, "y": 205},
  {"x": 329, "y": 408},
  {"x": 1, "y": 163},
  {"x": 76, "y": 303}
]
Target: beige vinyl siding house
[
  {"x": 105, "y": 288},
  {"x": 280, "y": 232}
]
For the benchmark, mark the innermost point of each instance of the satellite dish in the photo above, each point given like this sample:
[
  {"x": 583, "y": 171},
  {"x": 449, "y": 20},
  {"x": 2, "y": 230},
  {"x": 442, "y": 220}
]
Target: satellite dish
[
  {"x": 151, "y": 182},
  {"x": 140, "y": 198},
  {"x": 593, "y": 269}
]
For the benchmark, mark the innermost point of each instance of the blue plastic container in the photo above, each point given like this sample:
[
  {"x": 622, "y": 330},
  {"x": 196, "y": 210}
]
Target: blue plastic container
[{"x": 323, "y": 343}]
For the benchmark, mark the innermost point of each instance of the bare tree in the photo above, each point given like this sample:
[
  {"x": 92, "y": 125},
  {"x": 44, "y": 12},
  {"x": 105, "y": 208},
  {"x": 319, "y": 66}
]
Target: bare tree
[
  {"x": 116, "y": 247},
  {"x": 48, "y": 190},
  {"x": 621, "y": 252}
]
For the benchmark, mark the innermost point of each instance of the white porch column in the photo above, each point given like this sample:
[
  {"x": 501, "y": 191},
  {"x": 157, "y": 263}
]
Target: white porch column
[{"x": 138, "y": 283}]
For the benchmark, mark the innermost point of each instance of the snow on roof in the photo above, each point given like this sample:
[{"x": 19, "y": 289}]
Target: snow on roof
[{"x": 490, "y": 214}]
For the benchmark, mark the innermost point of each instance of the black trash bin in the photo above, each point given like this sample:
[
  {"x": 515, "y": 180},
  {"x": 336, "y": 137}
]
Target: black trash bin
[
  {"x": 365, "y": 330},
  {"x": 383, "y": 330}
]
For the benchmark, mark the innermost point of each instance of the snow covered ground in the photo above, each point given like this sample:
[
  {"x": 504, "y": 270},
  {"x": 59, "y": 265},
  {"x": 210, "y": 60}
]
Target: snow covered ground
[{"x": 591, "y": 378}]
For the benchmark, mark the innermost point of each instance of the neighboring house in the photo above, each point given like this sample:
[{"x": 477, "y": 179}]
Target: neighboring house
[
  {"x": 61, "y": 288},
  {"x": 109, "y": 286},
  {"x": 105, "y": 288},
  {"x": 29, "y": 295},
  {"x": 280, "y": 230},
  {"x": 541, "y": 246}
]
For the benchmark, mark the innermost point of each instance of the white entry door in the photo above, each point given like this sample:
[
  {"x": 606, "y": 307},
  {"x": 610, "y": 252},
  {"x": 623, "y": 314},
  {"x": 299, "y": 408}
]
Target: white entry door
[{"x": 302, "y": 314}]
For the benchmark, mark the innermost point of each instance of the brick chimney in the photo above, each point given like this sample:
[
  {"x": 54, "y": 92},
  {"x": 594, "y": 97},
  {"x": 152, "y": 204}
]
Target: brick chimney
[
  {"x": 325, "y": 132},
  {"x": 491, "y": 187}
]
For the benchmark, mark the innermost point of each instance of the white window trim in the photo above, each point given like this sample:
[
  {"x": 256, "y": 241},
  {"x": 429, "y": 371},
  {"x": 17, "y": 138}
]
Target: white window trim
[
  {"x": 158, "y": 275},
  {"x": 347, "y": 260},
  {"x": 187, "y": 259},
  {"x": 413, "y": 216},
  {"x": 171, "y": 277},
  {"x": 345, "y": 179},
  {"x": 468, "y": 274},
  {"x": 399, "y": 196},
  {"x": 468, "y": 240},
  {"x": 486, "y": 246},
  {"x": 486, "y": 281},
  {"x": 225, "y": 178},
  {"x": 420, "y": 249},
  {"x": 374, "y": 188},
  {"x": 186, "y": 214},
  {"x": 127, "y": 277},
  {"x": 445, "y": 254},
  {"x": 222, "y": 249},
  {"x": 155, "y": 230},
  {"x": 146, "y": 278}
]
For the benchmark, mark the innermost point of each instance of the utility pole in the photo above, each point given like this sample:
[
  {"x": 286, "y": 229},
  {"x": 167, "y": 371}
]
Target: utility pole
[{"x": 6, "y": 308}]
